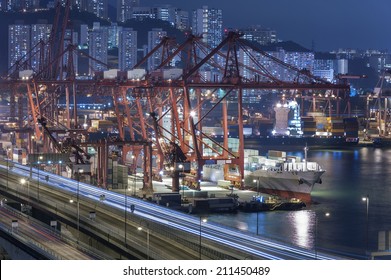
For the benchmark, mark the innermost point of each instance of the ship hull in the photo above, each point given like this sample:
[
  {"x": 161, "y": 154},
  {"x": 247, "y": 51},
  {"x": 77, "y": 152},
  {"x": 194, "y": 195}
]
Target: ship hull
[
  {"x": 287, "y": 184},
  {"x": 324, "y": 142}
]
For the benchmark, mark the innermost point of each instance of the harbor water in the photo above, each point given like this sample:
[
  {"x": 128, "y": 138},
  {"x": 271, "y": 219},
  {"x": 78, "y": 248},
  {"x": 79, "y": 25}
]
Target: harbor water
[{"x": 337, "y": 219}]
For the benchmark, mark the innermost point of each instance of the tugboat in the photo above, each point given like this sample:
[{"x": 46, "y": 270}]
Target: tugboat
[{"x": 271, "y": 203}]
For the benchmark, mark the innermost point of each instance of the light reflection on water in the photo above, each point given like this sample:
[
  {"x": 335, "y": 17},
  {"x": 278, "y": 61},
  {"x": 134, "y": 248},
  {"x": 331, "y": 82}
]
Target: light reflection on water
[
  {"x": 301, "y": 225},
  {"x": 350, "y": 175}
]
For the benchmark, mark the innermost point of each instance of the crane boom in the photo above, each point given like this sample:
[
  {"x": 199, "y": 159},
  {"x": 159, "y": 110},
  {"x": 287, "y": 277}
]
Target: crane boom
[{"x": 80, "y": 157}]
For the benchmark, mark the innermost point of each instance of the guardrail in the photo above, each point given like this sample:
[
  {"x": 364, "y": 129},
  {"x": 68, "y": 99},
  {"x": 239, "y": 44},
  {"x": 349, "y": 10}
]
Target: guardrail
[{"x": 40, "y": 248}]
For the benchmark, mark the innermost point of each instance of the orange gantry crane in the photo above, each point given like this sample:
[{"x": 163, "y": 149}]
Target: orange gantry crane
[{"x": 167, "y": 106}]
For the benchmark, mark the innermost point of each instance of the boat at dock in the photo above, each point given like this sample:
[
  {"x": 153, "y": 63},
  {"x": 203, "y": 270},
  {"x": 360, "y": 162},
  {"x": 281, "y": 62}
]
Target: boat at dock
[
  {"x": 271, "y": 203},
  {"x": 284, "y": 176},
  {"x": 274, "y": 174}
]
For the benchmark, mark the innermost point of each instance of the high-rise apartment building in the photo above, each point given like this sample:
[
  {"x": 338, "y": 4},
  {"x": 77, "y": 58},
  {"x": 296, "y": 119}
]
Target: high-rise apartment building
[
  {"x": 114, "y": 31},
  {"x": 165, "y": 13},
  {"x": 125, "y": 9},
  {"x": 176, "y": 17},
  {"x": 18, "y": 45},
  {"x": 325, "y": 66},
  {"x": 127, "y": 49},
  {"x": 98, "y": 46},
  {"x": 154, "y": 38},
  {"x": 18, "y": 5},
  {"x": 299, "y": 59},
  {"x": 141, "y": 13},
  {"x": 40, "y": 33},
  {"x": 3, "y": 5},
  {"x": 28, "y": 46},
  {"x": 97, "y": 7},
  {"x": 208, "y": 23},
  {"x": 70, "y": 38},
  {"x": 83, "y": 40},
  {"x": 181, "y": 20},
  {"x": 259, "y": 34}
]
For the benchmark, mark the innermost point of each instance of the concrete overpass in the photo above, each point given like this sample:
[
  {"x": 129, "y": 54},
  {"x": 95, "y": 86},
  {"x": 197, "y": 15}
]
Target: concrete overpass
[
  {"x": 105, "y": 221},
  {"x": 23, "y": 237}
]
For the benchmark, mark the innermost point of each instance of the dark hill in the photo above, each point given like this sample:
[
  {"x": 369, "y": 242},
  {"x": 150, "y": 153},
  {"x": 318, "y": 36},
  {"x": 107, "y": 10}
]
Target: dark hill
[{"x": 77, "y": 18}]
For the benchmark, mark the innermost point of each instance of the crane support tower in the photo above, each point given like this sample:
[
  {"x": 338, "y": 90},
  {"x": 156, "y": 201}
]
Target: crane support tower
[{"x": 172, "y": 154}]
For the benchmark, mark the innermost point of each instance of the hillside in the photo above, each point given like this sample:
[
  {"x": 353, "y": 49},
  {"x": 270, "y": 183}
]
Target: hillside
[{"x": 77, "y": 18}]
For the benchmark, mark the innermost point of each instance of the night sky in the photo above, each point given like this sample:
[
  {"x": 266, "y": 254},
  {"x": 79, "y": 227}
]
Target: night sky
[{"x": 330, "y": 24}]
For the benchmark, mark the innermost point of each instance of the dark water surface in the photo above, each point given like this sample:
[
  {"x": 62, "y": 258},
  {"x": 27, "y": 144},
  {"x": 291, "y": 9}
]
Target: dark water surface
[{"x": 350, "y": 175}]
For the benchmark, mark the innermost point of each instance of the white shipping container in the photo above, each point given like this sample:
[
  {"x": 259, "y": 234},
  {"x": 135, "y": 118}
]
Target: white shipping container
[
  {"x": 173, "y": 74},
  {"x": 136, "y": 74},
  {"x": 247, "y": 131},
  {"x": 110, "y": 74},
  {"x": 25, "y": 74}
]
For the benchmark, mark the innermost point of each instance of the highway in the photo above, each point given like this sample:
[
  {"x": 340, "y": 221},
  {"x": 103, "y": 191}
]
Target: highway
[
  {"x": 232, "y": 243},
  {"x": 47, "y": 242}
]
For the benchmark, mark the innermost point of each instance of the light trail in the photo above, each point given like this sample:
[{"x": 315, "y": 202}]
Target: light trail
[{"x": 254, "y": 245}]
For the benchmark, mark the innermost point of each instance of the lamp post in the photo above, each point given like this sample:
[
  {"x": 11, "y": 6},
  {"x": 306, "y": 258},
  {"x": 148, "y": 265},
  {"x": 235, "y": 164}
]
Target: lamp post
[
  {"x": 126, "y": 213},
  {"x": 202, "y": 220},
  {"x": 366, "y": 200},
  {"x": 79, "y": 171},
  {"x": 327, "y": 214},
  {"x": 7, "y": 173},
  {"x": 8, "y": 150},
  {"x": 147, "y": 230},
  {"x": 23, "y": 181},
  {"x": 39, "y": 167},
  {"x": 134, "y": 172},
  {"x": 181, "y": 166},
  {"x": 256, "y": 202},
  {"x": 32, "y": 144},
  {"x": 60, "y": 168},
  {"x": 112, "y": 170}
]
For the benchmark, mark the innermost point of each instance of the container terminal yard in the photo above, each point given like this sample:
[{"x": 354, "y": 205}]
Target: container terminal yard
[{"x": 176, "y": 123}]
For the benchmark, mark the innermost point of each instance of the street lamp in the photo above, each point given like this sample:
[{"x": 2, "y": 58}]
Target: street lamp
[
  {"x": 112, "y": 170},
  {"x": 32, "y": 144},
  {"x": 60, "y": 168},
  {"x": 256, "y": 202},
  {"x": 79, "y": 171},
  {"x": 366, "y": 200},
  {"x": 147, "y": 230},
  {"x": 126, "y": 218},
  {"x": 181, "y": 166},
  {"x": 8, "y": 150},
  {"x": 327, "y": 214},
  {"x": 202, "y": 220},
  {"x": 39, "y": 167},
  {"x": 23, "y": 181}
]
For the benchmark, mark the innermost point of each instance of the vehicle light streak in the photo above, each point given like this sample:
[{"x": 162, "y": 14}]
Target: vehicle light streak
[{"x": 254, "y": 245}]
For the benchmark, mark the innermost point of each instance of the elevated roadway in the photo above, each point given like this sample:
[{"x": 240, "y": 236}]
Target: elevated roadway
[
  {"x": 37, "y": 239},
  {"x": 106, "y": 221}
]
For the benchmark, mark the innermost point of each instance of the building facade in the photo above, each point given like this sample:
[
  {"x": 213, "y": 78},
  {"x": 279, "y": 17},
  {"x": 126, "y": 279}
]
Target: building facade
[
  {"x": 97, "y": 7},
  {"x": 208, "y": 23},
  {"x": 18, "y": 5},
  {"x": 127, "y": 49},
  {"x": 125, "y": 9},
  {"x": 19, "y": 44},
  {"x": 261, "y": 35},
  {"x": 155, "y": 36},
  {"x": 98, "y": 46},
  {"x": 39, "y": 33}
]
